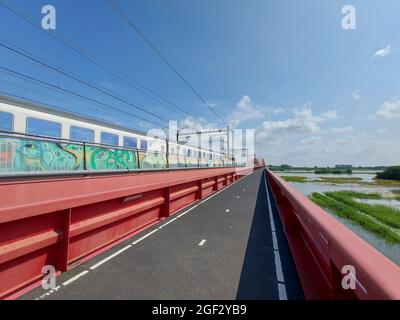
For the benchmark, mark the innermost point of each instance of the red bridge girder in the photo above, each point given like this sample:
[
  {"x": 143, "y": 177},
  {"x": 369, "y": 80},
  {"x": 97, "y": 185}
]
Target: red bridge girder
[{"x": 65, "y": 221}]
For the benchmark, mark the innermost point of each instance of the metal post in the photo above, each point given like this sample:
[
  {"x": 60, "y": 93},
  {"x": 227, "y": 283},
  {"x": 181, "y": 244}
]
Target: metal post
[
  {"x": 167, "y": 152},
  {"x": 84, "y": 157},
  {"x": 137, "y": 158},
  {"x": 227, "y": 133}
]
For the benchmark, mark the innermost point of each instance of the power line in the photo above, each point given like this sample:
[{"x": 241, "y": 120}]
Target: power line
[
  {"x": 24, "y": 76},
  {"x": 76, "y": 78},
  {"x": 92, "y": 58},
  {"x": 10, "y": 96},
  {"x": 158, "y": 52}
]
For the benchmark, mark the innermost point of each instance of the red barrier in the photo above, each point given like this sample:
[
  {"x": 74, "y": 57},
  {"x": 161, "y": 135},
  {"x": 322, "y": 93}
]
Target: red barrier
[
  {"x": 321, "y": 246},
  {"x": 63, "y": 221}
]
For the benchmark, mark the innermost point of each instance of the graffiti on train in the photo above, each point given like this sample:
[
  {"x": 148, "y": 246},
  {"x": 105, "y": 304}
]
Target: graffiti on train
[{"x": 23, "y": 155}]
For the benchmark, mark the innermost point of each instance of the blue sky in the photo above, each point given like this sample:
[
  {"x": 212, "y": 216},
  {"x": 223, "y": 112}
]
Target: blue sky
[{"x": 315, "y": 93}]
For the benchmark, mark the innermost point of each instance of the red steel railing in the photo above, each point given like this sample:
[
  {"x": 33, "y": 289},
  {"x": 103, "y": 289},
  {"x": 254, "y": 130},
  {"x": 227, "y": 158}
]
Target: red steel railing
[
  {"x": 63, "y": 221},
  {"x": 321, "y": 246}
]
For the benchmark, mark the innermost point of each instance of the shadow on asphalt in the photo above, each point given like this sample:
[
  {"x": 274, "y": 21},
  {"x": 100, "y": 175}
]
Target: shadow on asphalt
[{"x": 258, "y": 277}]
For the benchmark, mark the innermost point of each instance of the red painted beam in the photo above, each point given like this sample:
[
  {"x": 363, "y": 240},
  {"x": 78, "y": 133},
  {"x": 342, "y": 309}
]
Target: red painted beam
[{"x": 63, "y": 221}]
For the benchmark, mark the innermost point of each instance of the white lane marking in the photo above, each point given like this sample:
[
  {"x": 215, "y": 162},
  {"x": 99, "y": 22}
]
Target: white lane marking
[
  {"x": 202, "y": 242},
  {"x": 279, "y": 272},
  {"x": 167, "y": 223},
  {"x": 278, "y": 264},
  {"x": 275, "y": 241},
  {"x": 227, "y": 210},
  {"x": 282, "y": 291},
  {"x": 244, "y": 189},
  {"x": 75, "y": 278},
  {"x": 138, "y": 240},
  {"x": 188, "y": 210},
  {"x": 98, "y": 264},
  {"x": 144, "y": 237},
  {"x": 238, "y": 197}
]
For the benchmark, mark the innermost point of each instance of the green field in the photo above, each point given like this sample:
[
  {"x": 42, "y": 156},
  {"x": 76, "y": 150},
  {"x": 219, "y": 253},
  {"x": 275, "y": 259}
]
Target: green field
[{"x": 295, "y": 179}]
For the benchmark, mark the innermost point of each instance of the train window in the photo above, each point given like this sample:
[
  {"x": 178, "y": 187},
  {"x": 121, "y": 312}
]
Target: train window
[
  {"x": 143, "y": 145},
  {"x": 162, "y": 149},
  {"x": 109, "y": 138},
  {"x": 6, "y": 121},
  {"x": 130, "y": 142},
  {"x": 81, "y": 134},
  {"x": 189, "y": 152},
  {"x": 172, "y": 150},
  {"x": 43, "y": 128}
]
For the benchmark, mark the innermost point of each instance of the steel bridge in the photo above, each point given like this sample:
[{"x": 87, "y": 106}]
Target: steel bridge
[{"x": 199, "y": 233}]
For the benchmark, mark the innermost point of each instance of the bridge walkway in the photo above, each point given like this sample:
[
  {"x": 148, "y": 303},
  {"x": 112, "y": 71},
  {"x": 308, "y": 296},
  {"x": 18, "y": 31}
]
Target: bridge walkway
[{"x": 219, "y": 248}]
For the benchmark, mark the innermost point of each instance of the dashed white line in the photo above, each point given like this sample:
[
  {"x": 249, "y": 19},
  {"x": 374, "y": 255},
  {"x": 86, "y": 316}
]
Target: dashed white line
[
  {"x": 75, "y": 278},
  {"x": 93, "y": 267},
  {"x": 278, "y": 264},
  {"x": 227, "y": 210}
]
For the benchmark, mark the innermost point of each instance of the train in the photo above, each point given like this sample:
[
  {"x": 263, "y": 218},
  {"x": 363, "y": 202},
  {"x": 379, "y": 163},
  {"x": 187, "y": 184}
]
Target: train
[{"x": 39, "y": 138}]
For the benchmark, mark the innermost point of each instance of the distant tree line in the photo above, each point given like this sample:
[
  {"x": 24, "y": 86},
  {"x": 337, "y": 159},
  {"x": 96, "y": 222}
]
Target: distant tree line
[
  {"x": 333, "y": 171},
  {"x": 390, "y": 173}
]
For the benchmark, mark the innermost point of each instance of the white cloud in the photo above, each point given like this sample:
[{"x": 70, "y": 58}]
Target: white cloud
[
  {"x": 329, "y": 115},
  {"x": 383, "y": 130},
  {"x": 311, "y": 141},
  {"x": 383, "y": 52},
  {"x": 342, "y": 129},
  {"x": 303, "y": 122},
  {"x": 389, "y": 109},
  {"x": 278, "y": 111},
  {"x": 355, "y": 95},
  {"x": 246, "y": 110}
]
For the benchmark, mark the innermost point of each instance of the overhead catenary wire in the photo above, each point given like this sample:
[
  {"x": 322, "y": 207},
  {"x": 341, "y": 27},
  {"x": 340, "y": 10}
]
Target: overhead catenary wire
[
  {"x": 92, "y": 58},
  {"x": 76, "y": 78},
  {"x": 24, "y": 76},
  {"x": 158, "y": 52}
]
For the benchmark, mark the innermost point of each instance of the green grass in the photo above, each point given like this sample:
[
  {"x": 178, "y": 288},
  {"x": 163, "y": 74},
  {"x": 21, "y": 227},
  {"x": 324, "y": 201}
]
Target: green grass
[
  {"x": 336, "y": 180},
  {"x": 385, "y": 214},
  {"x": 295, "y": 179},
  {"x": 350, "y": 211},
  {"x": 361, "y": 195},
  {"x": 383, "y": 183}
]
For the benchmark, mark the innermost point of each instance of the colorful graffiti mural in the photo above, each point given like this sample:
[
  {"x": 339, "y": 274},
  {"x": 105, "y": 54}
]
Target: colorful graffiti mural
[
  {"x": 22, "y": 155},
  {"x": 29, "y": 155}
]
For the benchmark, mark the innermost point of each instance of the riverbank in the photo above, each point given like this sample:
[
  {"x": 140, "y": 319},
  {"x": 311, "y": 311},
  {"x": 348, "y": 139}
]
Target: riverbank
[
  {"x": 379, "y": 234},
  {"x": 381, "y": 220}
]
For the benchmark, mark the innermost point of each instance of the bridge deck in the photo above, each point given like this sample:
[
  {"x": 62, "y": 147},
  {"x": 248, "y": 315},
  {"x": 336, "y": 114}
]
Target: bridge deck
[{"x": 202, "y": 252}]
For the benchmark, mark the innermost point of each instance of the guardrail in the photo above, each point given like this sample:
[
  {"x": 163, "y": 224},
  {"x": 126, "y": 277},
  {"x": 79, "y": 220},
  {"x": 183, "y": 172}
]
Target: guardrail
[
  {"x": 65, "y": 221},
  {"x": 28, "y": 154},
  {"x": 326, "y": 252}
]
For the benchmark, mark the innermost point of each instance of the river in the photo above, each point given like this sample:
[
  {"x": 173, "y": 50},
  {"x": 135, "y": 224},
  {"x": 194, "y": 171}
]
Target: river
[{"x": 392, "y": 251}]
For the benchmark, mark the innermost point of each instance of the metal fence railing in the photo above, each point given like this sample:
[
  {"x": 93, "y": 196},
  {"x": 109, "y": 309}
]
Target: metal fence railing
[{"x": 22, "y": 153}]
